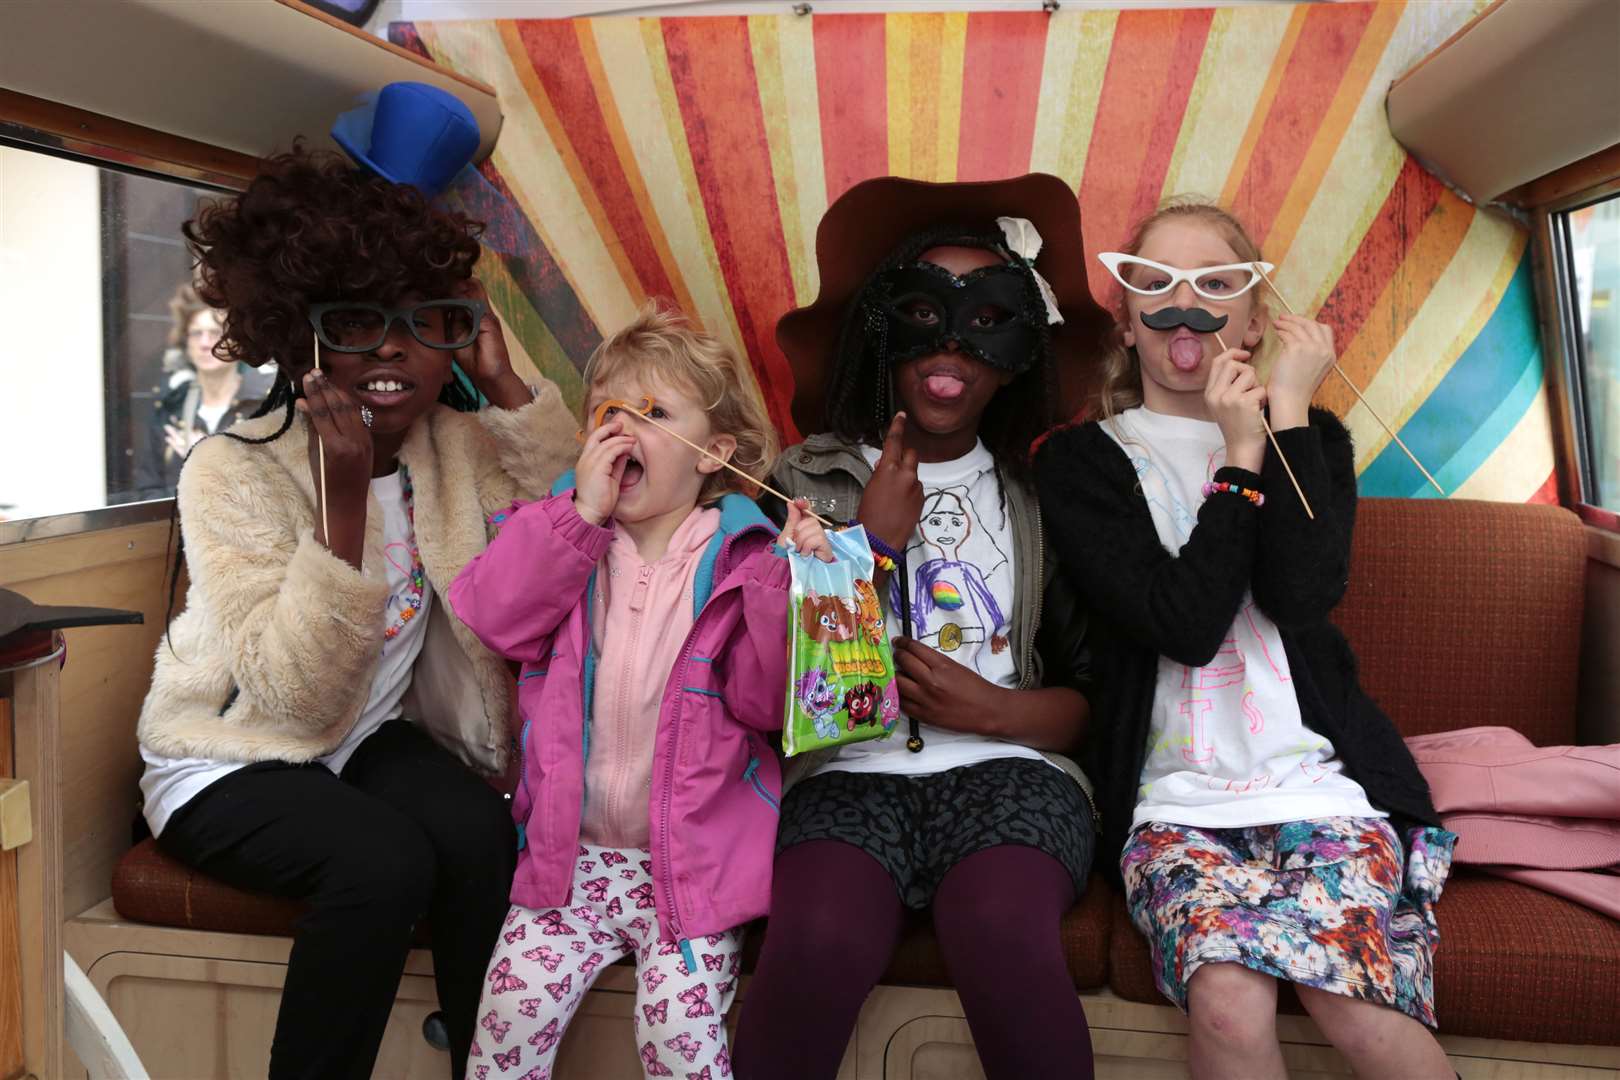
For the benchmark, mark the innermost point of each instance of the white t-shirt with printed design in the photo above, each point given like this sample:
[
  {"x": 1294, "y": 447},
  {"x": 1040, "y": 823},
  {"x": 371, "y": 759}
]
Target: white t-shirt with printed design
[
  {"x": 959, "y": 563},
  {"x": 1227, "y": 747},
  {"x": 170, "y": 783}
]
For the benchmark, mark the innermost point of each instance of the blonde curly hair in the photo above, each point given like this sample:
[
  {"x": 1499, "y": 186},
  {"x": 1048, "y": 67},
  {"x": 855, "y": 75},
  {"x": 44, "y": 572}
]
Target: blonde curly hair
[
  {"x": 1121, "y": 383},
  {"x": 662, "y": 340}
]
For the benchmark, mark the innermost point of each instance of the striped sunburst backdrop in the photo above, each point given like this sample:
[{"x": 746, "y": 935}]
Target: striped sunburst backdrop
[{"x": 692, "y": 158}]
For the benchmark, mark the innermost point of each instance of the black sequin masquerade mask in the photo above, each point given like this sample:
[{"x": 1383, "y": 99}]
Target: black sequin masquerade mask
[{"x": 993, "y": 314}]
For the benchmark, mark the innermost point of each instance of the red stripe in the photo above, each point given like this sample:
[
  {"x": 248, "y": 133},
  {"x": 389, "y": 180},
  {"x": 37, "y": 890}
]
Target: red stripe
[
  {"x": 1001, "y": 87},
  {"x": 1383, "y": 248},
  {"x": 852, "y": 92},
  {"x": 1548, "y": 492},
  {"x": 553, "y": 49},
  {"x": 1319, "y": 62},
  {"x": 1152, "y": 64},
  {"x": 712, "y": 68}
]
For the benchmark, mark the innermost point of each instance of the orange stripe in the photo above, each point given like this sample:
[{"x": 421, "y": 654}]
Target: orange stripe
[
  {"x": 632, "y": 171},
  {"x": 1330, "y": 132},
  {"x": 1316, "y": 66},
  {"x": 1408, "y": 287},
  {"x": 1139, "y": 111},
  {"x": 518, "y": 53},
  {"x": 1268, "y": 94}
]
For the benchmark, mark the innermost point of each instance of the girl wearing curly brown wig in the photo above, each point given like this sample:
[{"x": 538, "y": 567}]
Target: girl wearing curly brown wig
[{"x": 319, "y": 720}]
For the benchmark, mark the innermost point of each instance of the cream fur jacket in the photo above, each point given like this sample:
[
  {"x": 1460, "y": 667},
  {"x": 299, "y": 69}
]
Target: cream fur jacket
[{"x": 272, "y": 658}]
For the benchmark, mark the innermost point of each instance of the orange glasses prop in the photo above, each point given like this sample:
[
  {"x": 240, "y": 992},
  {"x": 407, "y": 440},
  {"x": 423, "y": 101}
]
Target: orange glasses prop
[{"x": 640, "y": 412}]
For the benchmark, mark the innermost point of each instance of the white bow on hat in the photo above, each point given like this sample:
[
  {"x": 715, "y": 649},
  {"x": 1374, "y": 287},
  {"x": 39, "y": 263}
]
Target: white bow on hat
[{"x": 1024, "y": 241}]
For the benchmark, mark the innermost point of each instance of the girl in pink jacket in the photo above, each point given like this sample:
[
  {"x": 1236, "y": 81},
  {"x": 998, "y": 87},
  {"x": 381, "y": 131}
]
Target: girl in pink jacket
[{"x": 650, "y": 613}]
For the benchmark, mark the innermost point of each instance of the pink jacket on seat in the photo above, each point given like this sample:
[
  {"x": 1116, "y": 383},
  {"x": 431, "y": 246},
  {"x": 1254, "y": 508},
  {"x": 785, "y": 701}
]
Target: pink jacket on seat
[
  {"x": 1536, "y": 814},
  {"x": 715, "y": 784}
]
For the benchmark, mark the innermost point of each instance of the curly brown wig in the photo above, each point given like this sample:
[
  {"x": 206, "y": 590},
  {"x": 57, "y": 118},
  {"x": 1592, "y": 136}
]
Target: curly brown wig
[{"x": 310, "y": 228}]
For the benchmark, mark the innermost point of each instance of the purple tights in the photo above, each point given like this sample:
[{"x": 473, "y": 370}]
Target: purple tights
[{"x": 835, "y": 920}]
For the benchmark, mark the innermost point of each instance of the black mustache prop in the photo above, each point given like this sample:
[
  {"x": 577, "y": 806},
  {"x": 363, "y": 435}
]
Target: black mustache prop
[{"x": 1195, "y": 319}]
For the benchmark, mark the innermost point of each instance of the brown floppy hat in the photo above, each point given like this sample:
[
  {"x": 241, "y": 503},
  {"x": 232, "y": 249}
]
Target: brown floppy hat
[{"x": 874, "y": 217}]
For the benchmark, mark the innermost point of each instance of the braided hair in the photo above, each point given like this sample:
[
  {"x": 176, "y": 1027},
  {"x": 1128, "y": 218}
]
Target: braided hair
[{"x": 860, "y": 392}]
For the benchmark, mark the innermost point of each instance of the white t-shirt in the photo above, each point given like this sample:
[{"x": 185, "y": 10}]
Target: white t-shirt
[
  {"x": 960, "y": 566},
  {"x": 210, "y": 415},
  {"x": 1227, "y": 747},
  {"x": 170, "y": 783}
]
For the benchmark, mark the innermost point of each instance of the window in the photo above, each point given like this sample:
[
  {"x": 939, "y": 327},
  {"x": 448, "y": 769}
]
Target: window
[
  {"x": 1591, "y": 242},
  {"x": 107, "y": 371}
]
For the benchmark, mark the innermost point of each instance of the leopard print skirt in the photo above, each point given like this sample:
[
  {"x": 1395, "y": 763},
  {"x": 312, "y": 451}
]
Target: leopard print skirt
[{"x": 919, "y": 827}]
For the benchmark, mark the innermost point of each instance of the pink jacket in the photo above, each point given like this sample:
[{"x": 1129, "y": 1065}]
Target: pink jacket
[
  {"x": 1548, "y": 816},
  {"x": 716, "y": 784}
]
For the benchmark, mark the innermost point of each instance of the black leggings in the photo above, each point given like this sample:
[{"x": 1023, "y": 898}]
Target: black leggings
[
  {"x": 407, "y": 832},
  {"x": 834, "y": 923}
]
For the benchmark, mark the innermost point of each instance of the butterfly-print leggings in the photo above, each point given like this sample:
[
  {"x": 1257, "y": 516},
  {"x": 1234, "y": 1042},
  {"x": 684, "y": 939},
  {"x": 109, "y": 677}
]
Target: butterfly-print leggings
[{"x": 546, "y": 961}]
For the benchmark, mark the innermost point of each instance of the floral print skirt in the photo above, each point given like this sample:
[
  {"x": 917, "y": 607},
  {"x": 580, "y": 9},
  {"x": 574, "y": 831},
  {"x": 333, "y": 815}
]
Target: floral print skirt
[{"x": 1331, "y": 904}]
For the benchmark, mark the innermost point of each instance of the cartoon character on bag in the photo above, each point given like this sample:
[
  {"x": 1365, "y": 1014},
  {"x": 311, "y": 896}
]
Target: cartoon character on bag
[
  {"x": 889, "y": 706},
  {"x": 861, "y": 703},
  {"x": 827, "y": 618},
  {"x": 818, "y": 696},
  {"x": 869, "y": 612}
]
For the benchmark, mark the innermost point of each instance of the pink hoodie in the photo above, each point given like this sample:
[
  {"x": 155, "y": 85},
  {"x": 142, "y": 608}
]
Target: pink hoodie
[{"x": 715, "y": 781}]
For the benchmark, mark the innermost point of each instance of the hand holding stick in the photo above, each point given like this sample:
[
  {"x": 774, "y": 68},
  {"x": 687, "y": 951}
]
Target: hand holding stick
[
  {"x": 1356, "y": 391},
  {"x": 1303, "y": 501},
  {"x": 641, "y": 414}
]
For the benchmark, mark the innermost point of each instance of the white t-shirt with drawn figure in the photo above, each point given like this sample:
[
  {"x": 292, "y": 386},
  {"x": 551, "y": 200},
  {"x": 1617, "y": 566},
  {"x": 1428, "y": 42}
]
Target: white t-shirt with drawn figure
[
  {"x": 959, "y": 565},
  {"x": 1227, "y": 747}
]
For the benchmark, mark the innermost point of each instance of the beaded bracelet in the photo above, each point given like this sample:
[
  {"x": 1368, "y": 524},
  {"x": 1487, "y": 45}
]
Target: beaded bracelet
[
  {"x": 1248, "y": 493},
  {"x": 886, "y": 558}
]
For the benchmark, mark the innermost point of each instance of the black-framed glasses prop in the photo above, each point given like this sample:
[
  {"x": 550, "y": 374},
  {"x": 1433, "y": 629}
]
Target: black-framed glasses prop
[{"x": 354, "y": 326}]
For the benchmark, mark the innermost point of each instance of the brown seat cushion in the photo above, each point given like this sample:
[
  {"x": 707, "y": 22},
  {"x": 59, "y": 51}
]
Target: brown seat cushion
[
  {"x": 151, "y": 887},
  {"x": 1466, "y": 613},
  {"x": 1513, "y": 963}
]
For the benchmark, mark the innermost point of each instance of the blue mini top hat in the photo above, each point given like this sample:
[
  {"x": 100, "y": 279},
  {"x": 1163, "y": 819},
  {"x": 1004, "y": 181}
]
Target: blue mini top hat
[{"x": 411, "y": 133}]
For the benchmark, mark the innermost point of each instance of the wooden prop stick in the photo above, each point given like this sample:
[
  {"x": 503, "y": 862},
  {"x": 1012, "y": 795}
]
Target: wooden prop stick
[
  {"x": 1357, "y": 391},
  {"x": 625, "y": 406},
  {"x": 1303, "y": 501},
  {"x": 320, "y": 452}
]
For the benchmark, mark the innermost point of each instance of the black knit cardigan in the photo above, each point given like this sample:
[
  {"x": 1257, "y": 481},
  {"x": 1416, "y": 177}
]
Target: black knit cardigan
[{"x": 1146, "y": 602}]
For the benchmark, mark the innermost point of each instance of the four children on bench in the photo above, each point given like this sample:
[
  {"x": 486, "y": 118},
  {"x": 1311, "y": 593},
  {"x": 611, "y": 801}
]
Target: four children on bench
[{"x": 1145, "y": 594}]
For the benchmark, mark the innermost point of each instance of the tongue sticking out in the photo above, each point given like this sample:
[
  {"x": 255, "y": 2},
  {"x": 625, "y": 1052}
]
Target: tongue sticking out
[
  {"x": 944, "y": 387},
  {"x": 1186, "y": 353}
]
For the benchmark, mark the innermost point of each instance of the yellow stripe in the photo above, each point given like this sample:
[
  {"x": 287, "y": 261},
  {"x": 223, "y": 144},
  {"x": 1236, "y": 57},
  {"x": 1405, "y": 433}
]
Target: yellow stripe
[
  {"x": 1330, "y": 132},
  {"x": 1340, "y": 211},
  {"x": 1450, "y": 318},
  {"x": 1518, "y": 467},
  {"x": 612, "y": 119},
  {"x": 948, "y": 97},
  {"x": 638, "y": 101},
  {"x": 1077, "y": 46},
  {"x": 535, "y": 171},
  {"x": 897, "y": 80},
  {"x": 796, "y": 37},
  {"x": 720, "y": 316},
  {"x": 765, "y": 44},
  {"x": 1262, "y": 106},
  {"x": 1231, "y": 78}
]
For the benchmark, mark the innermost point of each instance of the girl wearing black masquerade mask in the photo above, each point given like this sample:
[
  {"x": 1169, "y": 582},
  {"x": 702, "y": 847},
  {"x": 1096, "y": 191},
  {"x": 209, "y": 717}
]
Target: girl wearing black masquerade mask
[{"x": 939, "y": 374}]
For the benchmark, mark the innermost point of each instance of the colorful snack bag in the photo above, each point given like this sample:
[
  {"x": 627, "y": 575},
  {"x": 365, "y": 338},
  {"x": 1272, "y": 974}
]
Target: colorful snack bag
[{"x": 841, "y": 667}]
